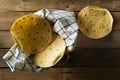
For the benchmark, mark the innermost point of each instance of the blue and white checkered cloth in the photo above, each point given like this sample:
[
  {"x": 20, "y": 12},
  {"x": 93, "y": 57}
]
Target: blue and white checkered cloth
[{"x": 65, "y": 25}]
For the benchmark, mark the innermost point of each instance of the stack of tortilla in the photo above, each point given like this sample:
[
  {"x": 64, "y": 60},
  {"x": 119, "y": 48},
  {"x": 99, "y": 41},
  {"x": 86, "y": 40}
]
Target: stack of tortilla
[{"x": 34, "y": 36}]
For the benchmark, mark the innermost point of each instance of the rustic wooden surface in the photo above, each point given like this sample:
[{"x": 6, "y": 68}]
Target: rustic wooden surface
[{"x": 91, "y": 59}]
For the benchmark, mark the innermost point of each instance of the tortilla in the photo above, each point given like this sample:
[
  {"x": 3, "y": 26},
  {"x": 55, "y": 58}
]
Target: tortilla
[
  {"x": 31, "y": 33},
  {"x": 95, "y": 22},
  {"x": 52, "y": 54}
]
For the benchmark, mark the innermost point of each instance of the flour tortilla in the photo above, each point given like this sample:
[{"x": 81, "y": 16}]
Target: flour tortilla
[
  {"x": 52, "y": 54},
  {"x": 31, "y": 33},
  {"x": 95, "y": 22}
]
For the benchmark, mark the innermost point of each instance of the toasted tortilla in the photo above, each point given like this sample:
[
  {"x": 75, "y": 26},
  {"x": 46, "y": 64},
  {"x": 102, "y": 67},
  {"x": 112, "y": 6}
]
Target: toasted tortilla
[
  {"x": 52, "y": 54},
  {"x": 31, "y": 33},
  {"x": 95, "y": 22}
]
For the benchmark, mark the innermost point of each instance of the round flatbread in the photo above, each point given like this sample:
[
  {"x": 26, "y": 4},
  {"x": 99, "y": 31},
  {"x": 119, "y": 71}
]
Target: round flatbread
[
  {"x": 52, "y": 54},
  {"x": 31, "y": 33},
  {"x": 95, "y": 22}
]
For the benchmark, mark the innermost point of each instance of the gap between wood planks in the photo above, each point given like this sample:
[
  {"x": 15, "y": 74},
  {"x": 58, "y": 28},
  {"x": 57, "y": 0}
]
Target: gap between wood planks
[
  {"x": 83, "y": 57},
  {"x": 7, "y": 20},
  {"x": 78, "y": 73},
  {"x": 75, "y": 5}
]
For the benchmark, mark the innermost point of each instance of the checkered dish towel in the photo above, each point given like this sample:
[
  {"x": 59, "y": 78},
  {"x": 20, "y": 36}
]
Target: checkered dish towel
[{"x": 64, "y": 24}]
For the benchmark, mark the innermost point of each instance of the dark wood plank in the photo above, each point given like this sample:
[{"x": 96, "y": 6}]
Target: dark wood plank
[
  {"x": 88, "y": 57},
  {"x": 75, "y": 5},
  {"x": 92, "y": 76},
  {"x": 91, "y": 59},
  {"x": 110, "y": 41},
  {"x": 5, "y": 39},
  {"x": 2, "y": 53},
  {"x": 7, "y": 20},
  {"x": 84, "y": 57},
  {"x": 85, "y": 74},
  {"x": 6, "y": 74}
]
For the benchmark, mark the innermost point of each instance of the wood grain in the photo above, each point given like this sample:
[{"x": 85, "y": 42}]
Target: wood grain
[
  {"x": 5, "y": 39},
  {"x": 110, "y": 41},
  {"x": 81, "y": 74},
  {"x": 75, "y": 5},
  {"x": 91, "y": 59},
  {"x": 82, "y": 57},
  {"x": 7, "y": 19},
  {"x": 88, "y": 57}
]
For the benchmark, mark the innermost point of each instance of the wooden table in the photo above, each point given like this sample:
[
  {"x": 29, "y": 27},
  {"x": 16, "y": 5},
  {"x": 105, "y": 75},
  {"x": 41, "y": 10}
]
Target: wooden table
[{"x": 91, "y": 60}]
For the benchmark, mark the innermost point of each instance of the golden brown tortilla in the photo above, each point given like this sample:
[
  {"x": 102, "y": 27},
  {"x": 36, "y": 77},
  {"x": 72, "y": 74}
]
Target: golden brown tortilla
[
  {"x": 52, "y": 54},
  {"x": 95, "y": 22},
  {"x": 31, "y": 33}
]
